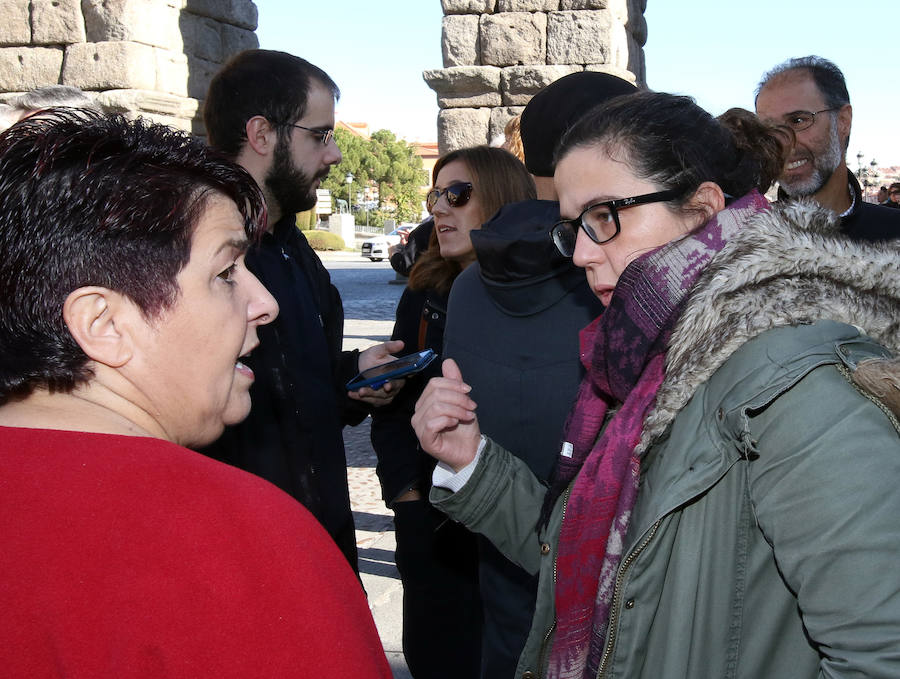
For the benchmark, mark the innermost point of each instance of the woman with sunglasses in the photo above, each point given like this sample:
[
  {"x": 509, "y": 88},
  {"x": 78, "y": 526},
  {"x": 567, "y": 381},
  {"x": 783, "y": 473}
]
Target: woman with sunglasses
[
  {"x": 725, "y": 503},
  {"x": 437, "y": 558}
]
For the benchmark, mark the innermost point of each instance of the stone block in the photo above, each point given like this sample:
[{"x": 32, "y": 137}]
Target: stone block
[
  {"x": 241, "y": 13},
  {"x": 514, "y": 38},
  {"x": 584, "y": 4},
  {"x": 462, "y": 127},
  {"x": 183, "y": 124},
  {"x": 145, "y": 21},
  {"x": 183, "y": 75},
  {"x": 468, "y": 6},
  {"x": 618, "y": 45},
  {"x": 123, "y": 101},
  {"x": 527, "y": 5},
  {"x": 15, "y": 29},
  {"x": 200, "y": 73},
  {"x": 110, "y": 65},
  {"x": 465, "y": 86},
  {"x": 636, "y": 63},
  {"x": 459, "y": 40},
  {"x": 616, "y": 71},
  {"x": 201, "y": 37},
  {"x": 236, "y": 40},
  {"x": 578, "y": 37},
  {"x": 56, "y": 22},
  {"x": 172, "y": 72},
  {"x": 25, "y": 68},
  {"x": 499, "y": 117},
  {"x": 519, "y": 83},
  {"x": 637, "y": 26}
]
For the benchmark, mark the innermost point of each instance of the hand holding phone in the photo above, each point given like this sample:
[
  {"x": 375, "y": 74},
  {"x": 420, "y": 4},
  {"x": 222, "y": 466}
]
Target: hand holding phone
[{"x": 377, "y": 377}]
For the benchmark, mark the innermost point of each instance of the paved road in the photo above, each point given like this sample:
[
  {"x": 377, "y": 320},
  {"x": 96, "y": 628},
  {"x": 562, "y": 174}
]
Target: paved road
[{"x": 370, "y": 293}]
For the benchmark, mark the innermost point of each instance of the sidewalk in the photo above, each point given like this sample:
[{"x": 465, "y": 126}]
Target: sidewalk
[
  {"x": 374, "y": 521},
  {"x": 375, "y": 540}
]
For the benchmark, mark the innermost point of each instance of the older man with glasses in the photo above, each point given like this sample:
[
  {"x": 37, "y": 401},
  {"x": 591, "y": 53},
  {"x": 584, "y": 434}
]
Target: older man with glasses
[{"x": 809, "y": 96}]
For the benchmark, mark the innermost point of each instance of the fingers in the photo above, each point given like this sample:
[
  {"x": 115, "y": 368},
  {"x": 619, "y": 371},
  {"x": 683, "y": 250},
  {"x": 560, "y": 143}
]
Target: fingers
[
  {"x": 442, "y": 392},
  {"x": 378, "y": 397},
  {"x": 393, "y": 346},
  {"x": 451, "y": 370},
  {"x": 442, "y": 411}
]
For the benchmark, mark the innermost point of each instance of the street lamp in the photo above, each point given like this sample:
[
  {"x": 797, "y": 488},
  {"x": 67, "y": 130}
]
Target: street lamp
[
  {"x": 349, "y": 179},
  {"x": 859, "y": 159}
]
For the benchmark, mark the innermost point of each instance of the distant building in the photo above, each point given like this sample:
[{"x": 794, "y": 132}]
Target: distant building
[
  {"x": 358, "y": 129},
  {"x": 428, "y": 152}
]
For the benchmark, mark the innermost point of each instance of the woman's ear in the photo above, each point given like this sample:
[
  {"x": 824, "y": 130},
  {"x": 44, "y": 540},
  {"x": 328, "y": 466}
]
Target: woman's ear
[
  {"x": 708, "y": 199},
  {"x": 101, "y": 322}
]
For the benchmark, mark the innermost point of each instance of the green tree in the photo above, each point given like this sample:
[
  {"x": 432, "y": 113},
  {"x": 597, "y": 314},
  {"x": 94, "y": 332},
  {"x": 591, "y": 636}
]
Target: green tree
[{"x": 384, "y": 161}]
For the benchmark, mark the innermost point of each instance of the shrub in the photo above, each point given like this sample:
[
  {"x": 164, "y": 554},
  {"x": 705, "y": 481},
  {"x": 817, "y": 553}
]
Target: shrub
[
  {"x": 306, "y": 220},
  {"x": 324, "y": 240}
]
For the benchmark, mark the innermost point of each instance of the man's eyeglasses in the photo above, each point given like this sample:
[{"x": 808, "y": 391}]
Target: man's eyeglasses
[
  {"x": 457, "y": 195},
  {"x": 803, "y": 120},
  {"x": 600, "y": 221},
  {"x": 324, "y": 136}
]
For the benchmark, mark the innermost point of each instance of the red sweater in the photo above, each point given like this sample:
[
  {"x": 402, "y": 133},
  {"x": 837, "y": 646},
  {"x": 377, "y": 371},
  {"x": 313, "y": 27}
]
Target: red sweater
[{"x": 132, "y": 557}]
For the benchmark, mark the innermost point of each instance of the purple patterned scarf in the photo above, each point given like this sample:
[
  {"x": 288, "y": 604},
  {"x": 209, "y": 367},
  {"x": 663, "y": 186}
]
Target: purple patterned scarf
[{"x": 624, "y": 354}]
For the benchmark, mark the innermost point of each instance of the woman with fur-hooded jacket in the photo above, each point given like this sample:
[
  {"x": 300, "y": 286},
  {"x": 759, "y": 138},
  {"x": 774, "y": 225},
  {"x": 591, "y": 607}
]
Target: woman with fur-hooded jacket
[{"x": 728, "y": 505}]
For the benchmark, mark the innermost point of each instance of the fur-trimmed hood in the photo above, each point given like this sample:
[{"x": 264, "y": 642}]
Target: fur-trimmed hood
[{"x": 789, "y": 265}]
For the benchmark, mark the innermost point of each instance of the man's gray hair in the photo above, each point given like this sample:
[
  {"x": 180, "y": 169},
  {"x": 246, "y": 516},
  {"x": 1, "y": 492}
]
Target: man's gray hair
[
  {"x": 54, "y": 96},
  {"x": 825, "y": 74}
]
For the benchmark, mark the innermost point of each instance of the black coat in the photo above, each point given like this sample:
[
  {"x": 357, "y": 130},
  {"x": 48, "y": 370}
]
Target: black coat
[
  {"x": 293, "y": 435},
  {"x": 513, "y": 323},
  {"x": 419, "y": 322},
  {"x": 867, "y": 221}
]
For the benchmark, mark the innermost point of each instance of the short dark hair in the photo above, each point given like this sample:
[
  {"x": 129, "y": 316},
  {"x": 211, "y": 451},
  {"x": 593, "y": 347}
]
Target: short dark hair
[
  {"x": 672, "y": 142},
  {"x": 827, "y": 76},
  {"x": 265, "y": 83},
  {"x": 87, "y": 199}
]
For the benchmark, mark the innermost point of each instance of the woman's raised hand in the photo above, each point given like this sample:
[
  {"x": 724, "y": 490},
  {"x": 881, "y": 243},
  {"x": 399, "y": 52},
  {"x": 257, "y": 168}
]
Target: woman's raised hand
[{"x": 445, "y": 420}]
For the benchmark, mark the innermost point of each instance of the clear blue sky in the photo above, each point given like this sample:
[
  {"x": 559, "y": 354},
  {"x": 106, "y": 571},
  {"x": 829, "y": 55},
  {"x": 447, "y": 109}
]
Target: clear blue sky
[{"x": 713, "y": 50}]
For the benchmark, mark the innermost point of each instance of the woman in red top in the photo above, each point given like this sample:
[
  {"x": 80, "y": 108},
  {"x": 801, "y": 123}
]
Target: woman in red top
[{"x": 125, "y": 310}]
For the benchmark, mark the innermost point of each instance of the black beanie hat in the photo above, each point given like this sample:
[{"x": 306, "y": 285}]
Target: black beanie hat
[{"x": 555, "y": 108}]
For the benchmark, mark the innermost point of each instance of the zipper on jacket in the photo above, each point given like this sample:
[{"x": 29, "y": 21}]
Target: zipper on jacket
[
  {"x": 616, "y": 604},
  {"x": 543, "y": 654}
]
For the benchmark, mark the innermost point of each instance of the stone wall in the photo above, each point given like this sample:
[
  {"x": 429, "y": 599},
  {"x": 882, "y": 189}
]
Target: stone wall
[
  {"x": 148, "y": 57},
  {"x": 498, "y": 53}
]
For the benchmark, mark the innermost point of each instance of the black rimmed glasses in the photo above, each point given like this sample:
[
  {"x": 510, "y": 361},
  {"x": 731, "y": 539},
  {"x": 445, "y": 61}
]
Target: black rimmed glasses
[
  {"x": 324, "y": 136},
  {"x": 600, "y": 221},
  {"x": 458, "y": 194},
  {"x": 803, "y": 120}
]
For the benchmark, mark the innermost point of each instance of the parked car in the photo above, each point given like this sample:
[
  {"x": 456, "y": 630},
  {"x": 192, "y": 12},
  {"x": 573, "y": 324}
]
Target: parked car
[{"x": 376, "y": 248}]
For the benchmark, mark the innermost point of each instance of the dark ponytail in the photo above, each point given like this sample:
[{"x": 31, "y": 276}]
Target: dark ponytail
[
  {"x": 759, "y": 150},
  {"x": 672, "y": 142}
]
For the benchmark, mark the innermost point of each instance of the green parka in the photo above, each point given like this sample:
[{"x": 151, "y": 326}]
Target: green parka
[{"x": 765, "y": 537}]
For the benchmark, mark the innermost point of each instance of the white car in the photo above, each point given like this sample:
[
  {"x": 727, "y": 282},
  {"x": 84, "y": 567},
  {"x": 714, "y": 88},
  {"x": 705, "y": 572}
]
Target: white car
[{"x": 376, "y": 248}]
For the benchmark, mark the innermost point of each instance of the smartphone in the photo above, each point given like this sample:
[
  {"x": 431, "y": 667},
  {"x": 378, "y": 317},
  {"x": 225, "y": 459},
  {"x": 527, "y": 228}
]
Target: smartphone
[{"x": 380, "y": 375}]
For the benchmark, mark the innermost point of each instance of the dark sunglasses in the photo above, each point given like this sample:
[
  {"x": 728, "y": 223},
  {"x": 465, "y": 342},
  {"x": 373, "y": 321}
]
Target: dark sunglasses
[
  {"x": 457, "y": 195},
  {"x": 600, "y": 221}
]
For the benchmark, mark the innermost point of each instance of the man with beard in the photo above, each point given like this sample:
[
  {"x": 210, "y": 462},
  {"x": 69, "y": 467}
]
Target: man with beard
[
  {"x": 809, "y": 96},
  {"x": 273, "y": 114}
]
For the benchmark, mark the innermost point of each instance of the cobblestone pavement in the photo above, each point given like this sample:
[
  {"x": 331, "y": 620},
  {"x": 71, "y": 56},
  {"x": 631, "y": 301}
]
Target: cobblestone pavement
[{"x": 369, "y": 312}]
